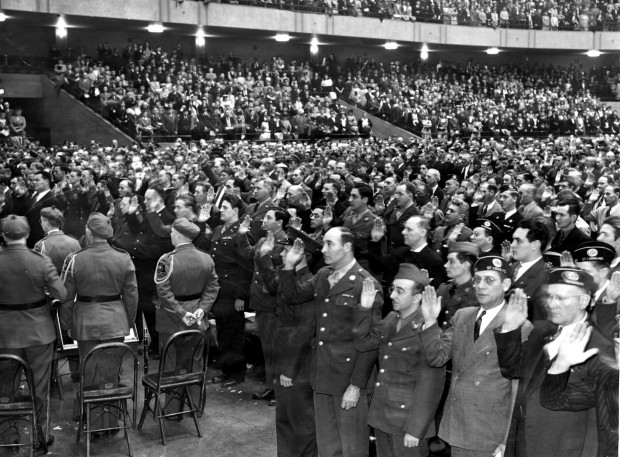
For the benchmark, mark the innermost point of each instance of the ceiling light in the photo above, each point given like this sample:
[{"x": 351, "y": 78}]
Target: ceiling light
[
  {"x": 390, "y": 45},
  {"x": 2, "y": 16},
  {"x": 155, "y": 28},
  {"x": 200, "y": 38},
  {"x": 492, "y": 51},
  {"x": 283, "y": 37},
  {"x": 314, "y": 41},
  {"x": 424, "y": 52},
  {"x": 593, "y": 53}
]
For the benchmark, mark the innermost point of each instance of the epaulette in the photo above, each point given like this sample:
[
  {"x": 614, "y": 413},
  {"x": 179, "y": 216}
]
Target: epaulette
[
  {"x": 116, "y": 248},
  {"x": 39, "y": 246},
  {"x": 165, "y": 265}
]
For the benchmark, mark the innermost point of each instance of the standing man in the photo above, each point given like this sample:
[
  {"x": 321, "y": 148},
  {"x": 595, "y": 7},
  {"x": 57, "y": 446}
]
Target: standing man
[
  {"x": 408, "y": 389},
  {"x": 102, "y": 298},
  {"x": 566, "y": 299},
  {"x": 262, "y": 192},
  {"x": 26, "y": 326},
  {"x": 454, "y": 228},
  {"x": 42, "y": 197},
  {"x": 56, "y": 245},
  {"x": 477, "y": 411},
  {"x": 186, "y": 289},
  {"x": 358, "y": 218},
  {"x": 233, "y": 266},
  {"x": 509, "y": 217},
  {"x": 342, "y": 375},
  {"x": 569, "y": 236},
  {"x": 397, "y": 215}
]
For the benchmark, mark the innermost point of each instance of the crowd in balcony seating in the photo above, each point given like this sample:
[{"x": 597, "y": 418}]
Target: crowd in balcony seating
[
  {"x": 151, "y": 93},
  {"x": 451, "y": 99},
  {"x": 542, "y": 15}
]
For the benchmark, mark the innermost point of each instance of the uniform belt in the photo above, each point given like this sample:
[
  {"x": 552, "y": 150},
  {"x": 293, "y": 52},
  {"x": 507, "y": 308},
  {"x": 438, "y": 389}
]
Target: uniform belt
[
  {"x": 98, "y": 299},
  {"x": 187, "y": 297},
  {"x": 24, "y": 306}
]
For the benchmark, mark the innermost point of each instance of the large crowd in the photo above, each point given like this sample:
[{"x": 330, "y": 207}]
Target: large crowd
[
  {"x": 154, "y": 95},
  {"x": 352, "y": 254},
  {"x": 551, "y": 15}
]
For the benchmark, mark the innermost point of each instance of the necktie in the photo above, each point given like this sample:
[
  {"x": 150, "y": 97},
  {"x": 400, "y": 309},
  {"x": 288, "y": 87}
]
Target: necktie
[
  {"x": 484, "y": 210},
  {"x": 333, "y": 279},
  {"x": 561, "y": 238},
  {"x": 608, "y": 212},
  {"x": 515, "y": 275},
  {"x": 477, "y": 325}
]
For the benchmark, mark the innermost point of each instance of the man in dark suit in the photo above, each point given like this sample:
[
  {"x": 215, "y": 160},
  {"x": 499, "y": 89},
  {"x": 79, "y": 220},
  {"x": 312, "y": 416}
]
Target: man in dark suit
[
  {"x": 398, "y": 212},
  {"x": 476, "y": 415},
  {"x": 342, "y": 375},
  {"x": 529, "y": 270},
  {"x": 509, "y": 217},
  {"x": 569, "y": 236},
  {"x": 432, "y": 180},
  {"x": 41, "y": 198},
  {"x": 595, "y": 257},
  {"x": 567, "y": 297},
  {"x": 598, "y": 389},
  {"x": 408, "y": 389}
]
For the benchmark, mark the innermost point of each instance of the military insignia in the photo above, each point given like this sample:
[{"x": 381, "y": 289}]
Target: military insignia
[
  {"x": 570, "y": 276},
  {"x": 497, "y": 263},
  {"x": 549, "y": 265},
  {"x": 592, "y": 253},
  {"x": 352, "y": 277},
  {"x": 487, "y": 224},
  {"x": 165, "y": 265}
]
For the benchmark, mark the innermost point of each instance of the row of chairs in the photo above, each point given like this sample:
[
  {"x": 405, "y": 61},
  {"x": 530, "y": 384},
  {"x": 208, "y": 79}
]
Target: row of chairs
[{"x": 109, "y": 390}]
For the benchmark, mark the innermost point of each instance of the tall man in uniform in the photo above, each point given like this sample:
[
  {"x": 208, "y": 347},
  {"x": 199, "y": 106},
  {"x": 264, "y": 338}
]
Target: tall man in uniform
[
  {"x": 26, "y": 326},
  {"x": 102, "y": 298},
  {"x": 358, "y": 218},
  {"x": 342, "y": 375},
  {"x": 56, "y": 245},
  {"x": 186, "y": 289},
  {"x": 233, "y": 266}
]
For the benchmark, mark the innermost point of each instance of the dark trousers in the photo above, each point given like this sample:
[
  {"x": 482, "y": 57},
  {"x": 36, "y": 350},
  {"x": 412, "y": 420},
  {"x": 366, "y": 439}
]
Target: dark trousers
[
  {"x": 230, "y": 329},
  {"x": 392, "y": 446},
  {"x": 40, "y": 360},
  {"x": 341, "y": 433},
  {"x": 105, "y": 369},
  {"x": 267, "y": 326},
  {"x": 295, "y": 428},
  {"x": 147, "y": 294},
  {"x": 170, "y": 364}
]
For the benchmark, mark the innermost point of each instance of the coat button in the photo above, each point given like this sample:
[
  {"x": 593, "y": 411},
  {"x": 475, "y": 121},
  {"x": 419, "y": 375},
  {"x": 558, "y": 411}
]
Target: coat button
[
  {"x": 382, "y": 370},
  {"x": 378, "y": 384},
  {"x": 322, "y": 329},
  {"x": 324, "y": 314},
  {"x": 477, "y": 383},
  {"x": 390, "y": 343},
  {"x": 348, "y": 359},
  {"x": 326, "y": 300},
  {"x": 404, "y": 349},
  {"x": 402, "y": 406},
  {"x": 320, "y": 343},
  {"x": 385, "y": 356}
]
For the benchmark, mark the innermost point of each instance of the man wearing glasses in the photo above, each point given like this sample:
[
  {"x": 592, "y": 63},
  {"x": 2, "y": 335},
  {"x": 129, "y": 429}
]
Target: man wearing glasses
[
  {"x": 535, "y": 430},
  {"x": 476, "y": 414}
]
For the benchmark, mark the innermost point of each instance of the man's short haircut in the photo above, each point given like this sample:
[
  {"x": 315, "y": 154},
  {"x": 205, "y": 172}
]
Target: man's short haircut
[
  {"x": 536, "y": 231},
  {"x": 614, "y": 221},
  {"x": 365, "y": 192},
  {"x": 346, "y": 236},
  {"x": 159, "y": 190},
  {"x": 493, "y": 188},
  {"x": 469, "y": 258},
  {"x": 574, "y": 205},
  {"x": 234, "y": 201},
  {"x": 45, "y": 175},
  {"x": 336, "y": 185},
  {"x": 280, "y": 215},
  {"x": 189, "y": 201},
  {"x": 268, "y": 182}
]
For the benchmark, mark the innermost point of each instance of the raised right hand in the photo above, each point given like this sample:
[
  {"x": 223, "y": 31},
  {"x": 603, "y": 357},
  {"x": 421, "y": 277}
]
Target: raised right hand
[
  {"x": 378, "y": 230},
  {"x": 431, "y": 305},
  {"x": 516, "y": 311}
]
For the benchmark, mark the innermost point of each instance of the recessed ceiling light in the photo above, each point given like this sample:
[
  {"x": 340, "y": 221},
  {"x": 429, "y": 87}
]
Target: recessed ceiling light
[
  {"x": 155, "y": 28},
  {"x": 390, "y": 45},
  {"x": 283, "y": 37},
  {"x": 492, "y": 51},
  {"x": 593, "y": 53},
  {"x": 2, "y": 16}
]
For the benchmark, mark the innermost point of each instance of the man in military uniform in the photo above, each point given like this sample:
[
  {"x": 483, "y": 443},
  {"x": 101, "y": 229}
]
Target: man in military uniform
[
  {"x": 408, "y": 389},
  {"x": 263, "y": 301},
  {"x": 186, "y": 289},
  {"x": 488, "y": 237},
  {"x": 56, "y": 245},
  {"x": 509, "y": 217},
  {"x": 233, "y": 266},
  {"x": 26, "y": 326},
  {"x": 342, "y": 376},
  {"x": 102, "y": 298},
  {"x": 358, "y": 218},
  {"x": 458, "y": 292}
]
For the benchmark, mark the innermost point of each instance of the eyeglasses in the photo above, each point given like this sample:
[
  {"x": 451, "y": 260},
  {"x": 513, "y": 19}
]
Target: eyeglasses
[
  {"x": 487, "y": 280},
  {"x": 561, "y": 300}
]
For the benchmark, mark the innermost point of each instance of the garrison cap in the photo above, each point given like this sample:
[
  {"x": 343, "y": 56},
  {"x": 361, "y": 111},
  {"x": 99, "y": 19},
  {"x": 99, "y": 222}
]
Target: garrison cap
[
  {"x": 464, "y": 247},
  {"x": 412, "y": 273},
  {"x": 310, "y": 245},
  {"x": 15, "y": 227},
  {"x": 186, "y": 228},
  {"x": 53, "y": 214},
  {"x": 100, "y": 225}
]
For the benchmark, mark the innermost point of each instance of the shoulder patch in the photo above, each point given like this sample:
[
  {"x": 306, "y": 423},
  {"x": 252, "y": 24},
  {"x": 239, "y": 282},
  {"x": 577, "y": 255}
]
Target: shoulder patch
[
  {"x": 67, "y": 267},
  {"x": 164, "y": 268},
  {"x": 40, "y": 246}
]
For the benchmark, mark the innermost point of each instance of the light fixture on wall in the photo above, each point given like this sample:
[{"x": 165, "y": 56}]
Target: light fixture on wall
[
  {"x": 492, "y": 51},
  {"x": 61, "y": 28},
  {"x": 282, "y": 37},
  {"x": 200, "y": 38},
  {"x": 390, "y": 45},
  {"x": 155, "y": 28},
  {"x": 314, "y": 45},
  {"x": 3, "y": 16},
  {"x": 424, "y": 52},
  {"x": 593, "y": 53}
]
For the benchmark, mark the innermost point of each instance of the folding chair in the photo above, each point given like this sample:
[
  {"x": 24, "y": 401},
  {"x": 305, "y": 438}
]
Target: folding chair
[
  {"x": 104, "y": 388},
  {"x": 17, "y": 403},
  {"x": 185, "y": 351}
]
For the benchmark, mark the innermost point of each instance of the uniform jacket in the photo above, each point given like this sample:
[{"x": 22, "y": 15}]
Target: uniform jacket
[
  {"x": 145, "y": 235},
  {"x": 477, "y": 411},
  {"x": 262, "y": 298},
  {"x": 186, "y": 271},
  {"x": 442, "y": 236},
  {"x": 453, "y": 298},
  {"x": 531, "y": 282},
  {"x": 57, "y": 246},
  {"x": 361, "y": 230},
  {"x": 396, "y": 225},
  {"x": 528, "y": 361},
  {"x": 408, "y": 389},
  {"x": 341, "y": 327},
  {"x": 233, "y": 265},
  {"x": 99, "y": 271},
  {"x": 25, "y": 277},
  {"x": 509, "y": 225}
]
